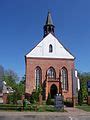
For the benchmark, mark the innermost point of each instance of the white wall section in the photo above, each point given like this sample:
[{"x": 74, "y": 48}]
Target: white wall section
[{"x": 42, "y": 49}]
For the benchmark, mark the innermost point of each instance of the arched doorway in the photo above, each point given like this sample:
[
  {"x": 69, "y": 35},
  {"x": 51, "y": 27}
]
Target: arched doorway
[{"x": 53, "y": 90}]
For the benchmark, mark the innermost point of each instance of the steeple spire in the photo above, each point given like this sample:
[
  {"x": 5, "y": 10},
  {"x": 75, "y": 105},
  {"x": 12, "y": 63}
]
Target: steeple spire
[
  {"x": 49, "y": 19},
  {"x": 48, "y": 27}
]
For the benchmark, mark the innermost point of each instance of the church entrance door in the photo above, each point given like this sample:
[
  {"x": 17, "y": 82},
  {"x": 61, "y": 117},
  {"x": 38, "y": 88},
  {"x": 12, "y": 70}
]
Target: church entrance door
[{"x": 53, "y": 90}]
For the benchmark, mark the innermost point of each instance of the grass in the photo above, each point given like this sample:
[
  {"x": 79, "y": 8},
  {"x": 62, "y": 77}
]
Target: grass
[
  {"x": 32, "y": 107},
  {"x": 84, "y": 107},
  {"x": 12, "y": 107},
  {"x": 48, "y": 108}
]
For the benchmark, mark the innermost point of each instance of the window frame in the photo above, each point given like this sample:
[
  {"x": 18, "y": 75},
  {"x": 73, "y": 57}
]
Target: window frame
[
  {"x": 51, "y": 73},
  {"x": 50, "y": 48},
  {"x": 64, "y": 79},
  {"x": 38, "y": 76}
]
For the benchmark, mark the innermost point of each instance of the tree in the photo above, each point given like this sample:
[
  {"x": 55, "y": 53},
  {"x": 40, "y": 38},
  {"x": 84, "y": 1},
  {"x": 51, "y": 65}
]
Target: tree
[
  {"x": 1, "y": 72},
  {"x": 84, "y": 77},
  {"x": 10, "y": 77},
  {"x": 1, "y": 78},
  {"x": 21, "y": 88},
  {"x": 12, "y": 80}
]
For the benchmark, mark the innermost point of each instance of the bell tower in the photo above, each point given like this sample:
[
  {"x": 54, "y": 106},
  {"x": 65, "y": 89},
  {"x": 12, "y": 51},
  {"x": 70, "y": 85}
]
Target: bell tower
[{"x": 48, "y": 27}]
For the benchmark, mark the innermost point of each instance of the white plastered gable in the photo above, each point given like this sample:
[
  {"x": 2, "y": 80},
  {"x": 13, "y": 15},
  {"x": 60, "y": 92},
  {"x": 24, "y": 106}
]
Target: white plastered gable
[{"x": 42, "y": 49}]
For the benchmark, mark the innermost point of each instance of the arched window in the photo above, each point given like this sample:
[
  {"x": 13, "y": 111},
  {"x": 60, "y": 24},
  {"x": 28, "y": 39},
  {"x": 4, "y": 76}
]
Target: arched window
[
  {"x": 38, "y": 76},
  {"x": 50, "y": 48},
  {"x": 51, "y": 73},
  {"x": 64, "y": 78}
]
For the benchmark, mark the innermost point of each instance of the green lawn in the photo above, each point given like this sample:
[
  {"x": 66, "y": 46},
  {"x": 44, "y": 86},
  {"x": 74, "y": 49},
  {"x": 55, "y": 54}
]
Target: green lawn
[
  {"x": 84, "y": 107},
  {"x": 32, "y": 107}
]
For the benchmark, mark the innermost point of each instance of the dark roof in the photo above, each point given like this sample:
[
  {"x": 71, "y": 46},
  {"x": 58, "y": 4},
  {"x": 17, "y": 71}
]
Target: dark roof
[{"x": 49, "y": 19}]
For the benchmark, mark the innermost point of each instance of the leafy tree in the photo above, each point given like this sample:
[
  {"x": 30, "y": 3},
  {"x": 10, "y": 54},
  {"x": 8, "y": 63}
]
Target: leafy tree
[
  {"x": 1, "y": 72},
  {"x": 10, "y": 77},
  {"x": 1, "y": 77},
  {"x": 20, "y": 89},
  {"x": 12, "y": 98},
  {"x": 84, "y": 77},
  {"x": 12, "y": 80}
]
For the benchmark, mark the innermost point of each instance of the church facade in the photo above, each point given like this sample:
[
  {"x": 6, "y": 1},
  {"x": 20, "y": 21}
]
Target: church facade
[{"x": 50, "y": 65}]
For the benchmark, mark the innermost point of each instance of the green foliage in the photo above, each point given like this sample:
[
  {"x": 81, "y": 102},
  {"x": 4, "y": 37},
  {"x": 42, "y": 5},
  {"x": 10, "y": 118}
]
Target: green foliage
[
  {"x": 11, "y": 79},
  {"x": 17, "y": 94},
  {"x": 12, "y": 98},
  {"x": 80, "y": 97},
  {"x": 35, "y": 95},
  {"x": 68, "y": 103},
  {"x": 20, "y": 89},
  {"x": 39, "y": 89},
  {"x": 49, "y": 102},
  {"x": 31, "y": 107},
  {"x": 83, "y": 82},
  {"x": 84, "y": 107},
  {"x": 25, "y": 104},
  {"x": 1, "y": 72}
]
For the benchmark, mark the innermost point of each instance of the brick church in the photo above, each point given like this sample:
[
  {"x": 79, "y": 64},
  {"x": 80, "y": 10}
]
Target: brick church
[{"x": 50, "y": 65}]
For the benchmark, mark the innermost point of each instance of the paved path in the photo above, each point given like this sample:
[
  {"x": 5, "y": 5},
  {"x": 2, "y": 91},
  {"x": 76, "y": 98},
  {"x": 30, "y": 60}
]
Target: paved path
[
  {"x": 75, "y": 111},
  {"x": 77, "y": 114},
  {"x": 71, "y": 114},
  {"x": 42, "y": 116},
  {"x": 70, "y": 111}
]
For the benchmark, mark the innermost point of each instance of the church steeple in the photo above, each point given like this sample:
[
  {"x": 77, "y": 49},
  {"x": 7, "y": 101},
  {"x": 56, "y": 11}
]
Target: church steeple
[{"x": 48, "y": 27}]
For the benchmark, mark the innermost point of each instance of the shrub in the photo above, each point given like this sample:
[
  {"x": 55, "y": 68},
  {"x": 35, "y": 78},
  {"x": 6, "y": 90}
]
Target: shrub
[
  {"x": 19, "y": 102},
  {"x": 80, "y": 98},
  {"x": 35, "y": 95},
  {"x": 68, "y": 103},
  {"x": 13, "y": 97},
  {"x": 48, "y": 102}
]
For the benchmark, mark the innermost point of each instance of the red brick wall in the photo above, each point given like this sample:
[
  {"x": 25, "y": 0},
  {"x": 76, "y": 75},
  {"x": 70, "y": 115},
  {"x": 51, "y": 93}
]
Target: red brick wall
[
  {"x": 5, "y": 95},
  {"x": 44, "y": 64}
]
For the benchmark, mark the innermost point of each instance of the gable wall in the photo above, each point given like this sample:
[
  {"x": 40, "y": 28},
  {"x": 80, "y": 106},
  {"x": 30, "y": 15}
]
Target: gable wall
[
  {"x": 42, "y": 49},
  {"x": 44, "y": 64}
]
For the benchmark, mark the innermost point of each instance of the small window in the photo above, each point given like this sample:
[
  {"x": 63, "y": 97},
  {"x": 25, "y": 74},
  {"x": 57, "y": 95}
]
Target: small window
[{"x": 50, "y": 48}]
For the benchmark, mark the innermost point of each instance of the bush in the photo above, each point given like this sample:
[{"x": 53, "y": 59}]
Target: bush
[
  {"x": 35, "y": 95},
  {"x": 48, "y": 102},
  {"x": 80, "y": 98},
  {"x": 19, "y": 102},
  {"x": 13, "y": 97},
  {"x": 51, "y": 109},
  {"x": 68, "y": 103}
]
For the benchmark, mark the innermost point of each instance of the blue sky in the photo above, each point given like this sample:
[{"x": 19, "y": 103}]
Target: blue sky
[{"x": 21, "y": 28}]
